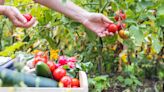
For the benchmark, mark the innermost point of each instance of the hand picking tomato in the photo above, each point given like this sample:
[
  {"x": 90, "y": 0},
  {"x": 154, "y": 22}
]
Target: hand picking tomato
[
  {"x": 59, "y": 73},
  {"x": 66, "y": 81},
  {"x": 51, "y": 65},
  {"x": 112, "y": 28},
  {"x": 28, "y": 17},
  {"x": 75, "y": 82}
]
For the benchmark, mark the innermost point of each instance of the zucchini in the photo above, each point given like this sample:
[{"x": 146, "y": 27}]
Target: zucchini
[{"x": 10, "y": 77}]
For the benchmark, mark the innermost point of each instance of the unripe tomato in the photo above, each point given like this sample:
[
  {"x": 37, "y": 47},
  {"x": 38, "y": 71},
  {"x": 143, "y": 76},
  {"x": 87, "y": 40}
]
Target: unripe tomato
[
  {"x": 123, "y": 34},
  {"x": 75, "y": 82},
  {"x": 59, "y": 73},
  {"x": 28, "y": 17},
  {"x": 112, "y": 28},
  {"x": 66, "y": 81}
]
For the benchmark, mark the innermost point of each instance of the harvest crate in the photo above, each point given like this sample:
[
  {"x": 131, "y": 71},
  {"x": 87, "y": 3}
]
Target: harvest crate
[{"x": 83, "y": 87}]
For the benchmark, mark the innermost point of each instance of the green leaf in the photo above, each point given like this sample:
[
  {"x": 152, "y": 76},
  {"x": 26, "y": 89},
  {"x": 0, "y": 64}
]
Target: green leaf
[
  {"x": 110, "y": 39},
  {"x": 128, "y": 81},
  {"x": 156, "y": 44},
  {"x": 120, "y": 78},
  {"x": 137, "y": 82},
  {"x": 91, "y": 35},
  {"x": 137, "y": 34}
]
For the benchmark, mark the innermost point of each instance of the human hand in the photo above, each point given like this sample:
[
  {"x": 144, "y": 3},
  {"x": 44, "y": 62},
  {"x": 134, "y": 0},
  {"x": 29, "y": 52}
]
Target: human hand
[
  {"x": 97, "y": 23},
  {"x": 17, "y": 18}
]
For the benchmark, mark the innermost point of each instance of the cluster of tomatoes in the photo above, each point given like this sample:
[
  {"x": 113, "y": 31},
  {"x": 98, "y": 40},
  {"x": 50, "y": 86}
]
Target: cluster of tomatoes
[
  {"x": 119, "y": 27},
  {"x": 57, "y": 70}
]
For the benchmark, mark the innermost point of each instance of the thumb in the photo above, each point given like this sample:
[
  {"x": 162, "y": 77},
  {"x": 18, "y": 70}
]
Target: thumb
[
  {"x": 20, "y": 16},
  {"x": 105, "y": 19}
]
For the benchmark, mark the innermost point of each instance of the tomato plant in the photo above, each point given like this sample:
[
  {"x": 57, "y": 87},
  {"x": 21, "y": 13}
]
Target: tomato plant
[{"x": 129, "y": 60}]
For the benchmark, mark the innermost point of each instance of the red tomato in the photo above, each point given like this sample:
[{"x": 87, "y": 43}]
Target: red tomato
[
  {"x": 28, "y": 17},
  {"x": 123, "y": 16},
  {"x": 121, "y": 26},
  {"x": 36, "y": 60},
  {"x": 75, "y": 82},
  {"x": 120, "y": 15},
  {"x": 62, "y": 60},
  {"x": 116, "y": 17},
  {"x": 51, "y": 65},
  {"x": 112, "y": 28},
  {"x": 45, "y": 58},
  {"x": 66, "y": 81},
  {"x": 59, "y": 73}
]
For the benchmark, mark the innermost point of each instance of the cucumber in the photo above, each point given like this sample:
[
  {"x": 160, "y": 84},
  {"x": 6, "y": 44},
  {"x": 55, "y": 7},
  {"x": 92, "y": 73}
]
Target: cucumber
[
  {"x": 42, "y": 69},
  {"x": 10, "y": 77}
]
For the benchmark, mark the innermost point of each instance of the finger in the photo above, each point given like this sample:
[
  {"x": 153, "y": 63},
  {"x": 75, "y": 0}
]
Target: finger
[
  {"x": 20, "y": 16},
  {"x": 105, "y": 19},
  {"x": 30, "y": 23},
  {"x": 17, "y": 23},
  {"x": 101, "y": 34},
  {"x": 106, "y": 32},
  {"x": 111, "y": 34},
  {"x": 116, "y": 32}
]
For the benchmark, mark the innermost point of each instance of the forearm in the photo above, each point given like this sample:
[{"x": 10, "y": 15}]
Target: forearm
[
  {"x": 68, "y": 8},
  {"x": 2, "y": 9},
  {"x": 2, "y": 2}
]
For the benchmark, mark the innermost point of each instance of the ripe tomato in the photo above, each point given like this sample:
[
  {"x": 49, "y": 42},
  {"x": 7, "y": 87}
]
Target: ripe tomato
[
  {"x": 121, "y": 26},
  {"x": 120, "y": 15},
  {"x": 36, "y": 60},
  {"x": 51, "y": 65},
  {"x": 75, "y": 82},
  {"x": 123, "y": 34},
  {"x": 59, "y": 73},
  {"x": 112, "y": 28},
  {"x": 28, "y": 17},
  {"x": 123, "y": 16},
  {"x": 66, "y": 81}
]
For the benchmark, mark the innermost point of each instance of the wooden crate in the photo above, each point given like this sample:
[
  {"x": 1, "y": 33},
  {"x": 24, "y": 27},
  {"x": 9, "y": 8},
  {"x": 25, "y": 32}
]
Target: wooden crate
[{"x": 83, "y": 87}]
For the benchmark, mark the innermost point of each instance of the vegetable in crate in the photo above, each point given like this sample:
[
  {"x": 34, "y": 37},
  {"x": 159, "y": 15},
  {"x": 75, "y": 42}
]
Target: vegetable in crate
[
  {"x": 14, "y": 78},
  {"x": 42, "y": 69}
]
